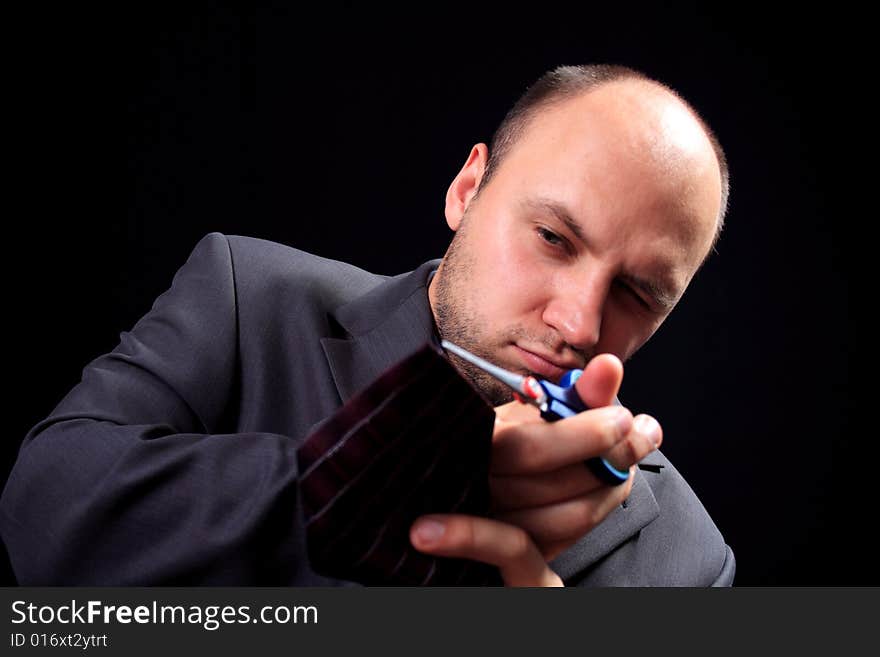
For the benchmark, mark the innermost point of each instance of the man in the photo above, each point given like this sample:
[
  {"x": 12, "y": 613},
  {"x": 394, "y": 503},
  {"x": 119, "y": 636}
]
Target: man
[{"x": 173, "y": 461}]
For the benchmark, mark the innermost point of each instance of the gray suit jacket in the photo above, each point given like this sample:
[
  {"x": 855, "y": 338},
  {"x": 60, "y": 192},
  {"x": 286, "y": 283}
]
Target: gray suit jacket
[{"x": 173, "y": 461}]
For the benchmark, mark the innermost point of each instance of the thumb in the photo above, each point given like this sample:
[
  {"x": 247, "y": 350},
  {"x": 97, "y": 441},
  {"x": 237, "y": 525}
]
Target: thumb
[{"x": 600, "y": 381}]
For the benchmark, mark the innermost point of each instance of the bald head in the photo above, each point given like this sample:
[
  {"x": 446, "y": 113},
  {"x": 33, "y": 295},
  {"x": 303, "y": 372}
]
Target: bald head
[
  {"x": 651, "y": 132},
  {"x": 676, "y": 136}
]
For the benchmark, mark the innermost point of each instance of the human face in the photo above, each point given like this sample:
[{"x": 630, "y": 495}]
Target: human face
[{"x": 585, "y": 238}]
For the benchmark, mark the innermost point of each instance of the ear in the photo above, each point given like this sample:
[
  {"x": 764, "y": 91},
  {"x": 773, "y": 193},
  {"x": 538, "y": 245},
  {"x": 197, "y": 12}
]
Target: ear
[{"x": 465, "y": 185}]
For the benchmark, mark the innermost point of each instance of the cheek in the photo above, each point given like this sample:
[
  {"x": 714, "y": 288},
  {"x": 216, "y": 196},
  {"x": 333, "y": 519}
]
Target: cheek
[
  {"x": 506, "y": 295},
  {"x": 504, "y": 265},
  {"x": 521, "y": 281},
  {"x": 510, "y": 283}
]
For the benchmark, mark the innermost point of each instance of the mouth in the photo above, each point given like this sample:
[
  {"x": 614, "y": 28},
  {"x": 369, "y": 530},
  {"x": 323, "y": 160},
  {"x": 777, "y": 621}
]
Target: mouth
[{"x": 544, "y": 366}]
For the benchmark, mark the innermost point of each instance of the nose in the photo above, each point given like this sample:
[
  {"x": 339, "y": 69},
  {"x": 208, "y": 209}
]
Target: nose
[{"x": 575, "y": 312}]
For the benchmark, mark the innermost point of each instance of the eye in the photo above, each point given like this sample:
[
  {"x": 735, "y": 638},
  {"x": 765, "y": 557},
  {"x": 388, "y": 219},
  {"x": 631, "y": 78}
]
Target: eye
[
  {"x": 550, "y": 237},
  {"x": 635, "y": 295}
]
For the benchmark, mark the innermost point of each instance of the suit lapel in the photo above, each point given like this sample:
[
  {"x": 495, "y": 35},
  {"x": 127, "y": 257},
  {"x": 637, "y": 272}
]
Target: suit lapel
[
  {"x": 384, "y": 326},
  {"x": 620, "y": 525}
]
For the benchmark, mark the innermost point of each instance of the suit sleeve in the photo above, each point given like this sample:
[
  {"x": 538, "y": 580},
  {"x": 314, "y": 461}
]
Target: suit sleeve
[
  {"x": 728, "y": 570},
  {"x": 132, "y": 480}
]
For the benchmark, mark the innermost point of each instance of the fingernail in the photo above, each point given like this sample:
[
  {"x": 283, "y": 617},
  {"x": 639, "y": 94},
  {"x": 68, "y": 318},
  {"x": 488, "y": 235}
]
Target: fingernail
[
  {"x": 649, "y": 427},
  {"x": 623, "y": 421},
  {"x": 429, "y": 531}
]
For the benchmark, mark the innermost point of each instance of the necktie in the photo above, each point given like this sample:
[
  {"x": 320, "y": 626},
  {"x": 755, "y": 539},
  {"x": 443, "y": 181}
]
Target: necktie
[{"x": 415, "y": 441}]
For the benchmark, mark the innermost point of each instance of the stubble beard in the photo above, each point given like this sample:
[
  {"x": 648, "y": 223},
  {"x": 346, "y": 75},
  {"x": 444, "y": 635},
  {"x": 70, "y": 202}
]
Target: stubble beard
[{"x": 458, "y": 320}]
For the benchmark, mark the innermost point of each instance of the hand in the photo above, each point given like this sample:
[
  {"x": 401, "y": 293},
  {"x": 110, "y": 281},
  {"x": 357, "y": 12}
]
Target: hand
[
  {"x": 538, "y": 480},
  {"x": 544, "y": 497},
  {"x": 490, "y": 541}
]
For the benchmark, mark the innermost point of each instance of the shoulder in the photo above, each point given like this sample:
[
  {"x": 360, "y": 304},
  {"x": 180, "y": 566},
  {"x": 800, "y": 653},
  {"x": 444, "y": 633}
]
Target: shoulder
[
  {"x": 261, "y": 266},
  {"x": 684, "y": 532}
]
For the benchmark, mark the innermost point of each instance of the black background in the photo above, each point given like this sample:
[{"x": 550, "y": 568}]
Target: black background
[{"x": 337, "y": 131}]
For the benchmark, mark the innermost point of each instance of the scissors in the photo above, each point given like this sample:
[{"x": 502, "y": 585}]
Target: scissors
[{"x": 554, "y": 401}]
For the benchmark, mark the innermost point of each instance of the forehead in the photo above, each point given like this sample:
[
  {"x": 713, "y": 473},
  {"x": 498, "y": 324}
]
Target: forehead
[{"x": 623, "y": 153}]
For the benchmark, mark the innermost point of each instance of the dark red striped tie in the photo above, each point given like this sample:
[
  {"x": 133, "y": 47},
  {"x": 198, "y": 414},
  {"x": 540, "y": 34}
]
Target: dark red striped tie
[{"x": 417, "y": 440}]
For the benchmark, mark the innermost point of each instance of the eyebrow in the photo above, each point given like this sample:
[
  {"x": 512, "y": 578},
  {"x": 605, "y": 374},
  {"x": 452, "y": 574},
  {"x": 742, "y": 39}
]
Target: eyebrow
[
  {"x": 664, "y": 299},
  {"x": 662, "y": 296},
  {"x": 559, "y": 212}
]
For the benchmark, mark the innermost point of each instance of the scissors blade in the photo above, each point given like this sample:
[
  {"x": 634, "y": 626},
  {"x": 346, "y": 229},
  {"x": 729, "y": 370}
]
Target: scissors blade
[{"x": 517, "y": 382}]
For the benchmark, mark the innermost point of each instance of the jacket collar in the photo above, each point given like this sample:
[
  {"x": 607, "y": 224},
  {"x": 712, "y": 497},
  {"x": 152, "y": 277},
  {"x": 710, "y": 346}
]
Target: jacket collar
[
  {"x": 393, "y": 320},
  {"x": 384, "y": 326}
]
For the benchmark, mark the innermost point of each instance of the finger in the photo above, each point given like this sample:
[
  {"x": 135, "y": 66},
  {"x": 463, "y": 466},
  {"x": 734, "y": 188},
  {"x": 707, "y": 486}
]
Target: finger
[
  {"x": 486, "y": 540},
  {"x": 517, "y": 412},
  {"x": 571, "y": 519},
  {"x": 553, "y": 550},
  {"x": 601, "y": 380},
  {"x": 511, "y": 492},
  {"x": 644, "y": 437},
  {"x": 540, "y": 447}
]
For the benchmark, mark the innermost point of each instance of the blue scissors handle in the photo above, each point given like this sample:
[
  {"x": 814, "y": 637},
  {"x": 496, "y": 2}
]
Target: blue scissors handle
[{"x": 563, "y": 401}]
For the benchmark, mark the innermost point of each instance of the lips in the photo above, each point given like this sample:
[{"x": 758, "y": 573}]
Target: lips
[{"x": 541, "y": 365}]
